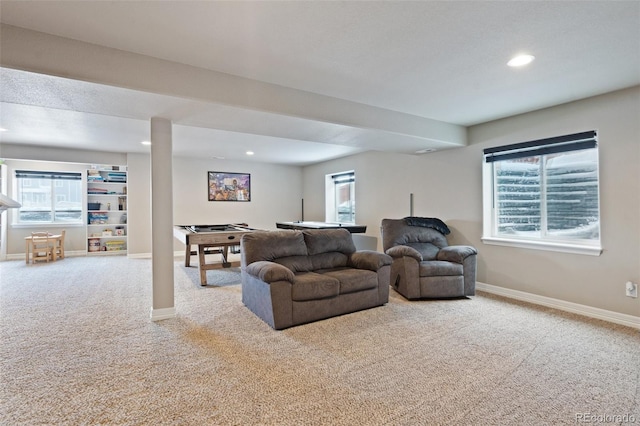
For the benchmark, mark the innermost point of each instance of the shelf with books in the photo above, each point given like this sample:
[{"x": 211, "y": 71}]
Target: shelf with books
[{"x": 107, "y": 210}]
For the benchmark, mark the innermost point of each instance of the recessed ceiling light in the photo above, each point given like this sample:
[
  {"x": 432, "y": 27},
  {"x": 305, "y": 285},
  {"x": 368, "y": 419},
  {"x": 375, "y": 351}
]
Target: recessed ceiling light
[
  {"x": 145, "y": 143},
  {"x": 520, "y": 60},
  {"x": 2, "y": 129},
  {"x": 249, "y": 152},
  {"x": 424, "y": 151}
]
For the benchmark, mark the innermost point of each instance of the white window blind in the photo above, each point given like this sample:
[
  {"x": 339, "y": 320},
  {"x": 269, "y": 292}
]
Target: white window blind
[
  {"x": 49, "y": 197},
  {"x": 544, "y": 190}
]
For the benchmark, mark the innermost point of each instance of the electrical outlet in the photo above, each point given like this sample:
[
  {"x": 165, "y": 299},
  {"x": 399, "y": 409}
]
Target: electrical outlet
[{"x": 631, "y": 289}]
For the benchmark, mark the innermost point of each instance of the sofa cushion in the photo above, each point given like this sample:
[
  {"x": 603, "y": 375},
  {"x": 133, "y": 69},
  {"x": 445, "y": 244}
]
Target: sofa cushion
[
  {"x": 328, "y": 240},
  {"x": 440, "y": 268},
  {"x": 427, "y": 250},
  {"x": 296, "y": 263},
  {"x": 269, "y": 272},
  {"x": 398, "y": 252},
  {"x": 271, "y": 245},
  {"x": 369, "y": 259},
  {"x": 329, "y": 260},
  {"x": 456, "y": 253},
  {"x": 396, "y": 232},
  {"x": 353, "y": 280},
  {"x": 314, "y": 286}
]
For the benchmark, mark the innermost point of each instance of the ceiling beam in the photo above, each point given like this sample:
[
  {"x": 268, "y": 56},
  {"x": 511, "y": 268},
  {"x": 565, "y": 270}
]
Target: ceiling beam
[{"x": 63, "y": 57}]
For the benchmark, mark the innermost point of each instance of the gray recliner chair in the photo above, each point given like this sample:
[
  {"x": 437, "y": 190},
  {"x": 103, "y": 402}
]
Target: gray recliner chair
[{"x": 424, "y": 265}]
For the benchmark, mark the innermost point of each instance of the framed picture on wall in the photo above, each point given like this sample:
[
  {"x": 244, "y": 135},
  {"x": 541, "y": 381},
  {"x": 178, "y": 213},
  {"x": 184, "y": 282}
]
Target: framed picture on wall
[{"x": 225, "y": 186}]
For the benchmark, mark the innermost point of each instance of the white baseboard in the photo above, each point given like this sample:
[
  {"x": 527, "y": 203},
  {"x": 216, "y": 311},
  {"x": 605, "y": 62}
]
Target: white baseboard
[
  {"x": 72, "y": 253},
  {"x": 139, "y": 255},
  {"x": 163, "y": 313},
  {"x": 18, "y": 256},
  {"x": 602, "y": 314},
  {"x": 148, "y": 255},
  {"x": 67, "y": 253}
]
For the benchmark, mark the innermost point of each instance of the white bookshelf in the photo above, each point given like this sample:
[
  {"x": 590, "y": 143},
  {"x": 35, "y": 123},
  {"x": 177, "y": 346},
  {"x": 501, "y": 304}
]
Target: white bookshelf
[{"x": 107, "y": 210}]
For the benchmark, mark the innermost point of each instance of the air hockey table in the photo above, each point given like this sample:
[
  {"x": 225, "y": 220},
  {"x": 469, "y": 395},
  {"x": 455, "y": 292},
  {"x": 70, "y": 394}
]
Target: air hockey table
[{"x": 210, "y": 239}]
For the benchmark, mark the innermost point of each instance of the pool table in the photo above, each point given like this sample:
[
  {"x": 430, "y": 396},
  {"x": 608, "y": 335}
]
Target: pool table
[{"x": 354, "y": 229}]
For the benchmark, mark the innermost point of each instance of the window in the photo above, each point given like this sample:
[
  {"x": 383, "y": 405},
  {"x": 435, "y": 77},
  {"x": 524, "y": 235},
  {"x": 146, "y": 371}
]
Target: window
[
  {"x": 544, "y": 194},
  {"x": 341, "y": 197},
  {"x": 49, "y": 197}
]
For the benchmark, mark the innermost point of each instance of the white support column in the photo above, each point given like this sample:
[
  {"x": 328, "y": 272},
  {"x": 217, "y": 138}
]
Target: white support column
[{"x": 162, "y": 220}]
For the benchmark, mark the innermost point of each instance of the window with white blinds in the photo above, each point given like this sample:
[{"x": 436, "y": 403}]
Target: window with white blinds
[
  {"x": 49, "y": 197},
  {"x": 344, "y": 197},
  {"x": 544, "y": 192}
]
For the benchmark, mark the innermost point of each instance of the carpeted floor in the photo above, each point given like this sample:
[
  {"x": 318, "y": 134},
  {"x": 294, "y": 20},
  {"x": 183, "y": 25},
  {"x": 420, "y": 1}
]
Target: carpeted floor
[{"x": 78, "y": 348}]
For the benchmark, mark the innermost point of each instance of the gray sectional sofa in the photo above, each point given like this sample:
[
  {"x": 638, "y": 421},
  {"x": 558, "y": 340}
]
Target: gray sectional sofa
[{"x": 295, "y": 277}]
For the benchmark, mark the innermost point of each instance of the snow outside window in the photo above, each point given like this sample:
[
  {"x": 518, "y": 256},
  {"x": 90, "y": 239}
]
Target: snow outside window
[{"x": 544, "y": 194}]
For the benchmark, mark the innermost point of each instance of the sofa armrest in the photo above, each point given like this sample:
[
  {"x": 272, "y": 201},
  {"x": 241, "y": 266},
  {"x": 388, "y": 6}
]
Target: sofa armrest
[
  {"x": 269, "y": 271},
  {"x": 400, "y": 251},
  {"x": 369, "y": 259},
  {"x": 456, "y": 254}
]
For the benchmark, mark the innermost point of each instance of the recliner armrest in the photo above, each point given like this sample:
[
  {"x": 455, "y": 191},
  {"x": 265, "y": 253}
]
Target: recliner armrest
[
  {"x": 456, "y": 254},
  {"x": 400, "y": 251},
  {"x": 369, "y": 259},
  {"x": 270, "y": 271}
]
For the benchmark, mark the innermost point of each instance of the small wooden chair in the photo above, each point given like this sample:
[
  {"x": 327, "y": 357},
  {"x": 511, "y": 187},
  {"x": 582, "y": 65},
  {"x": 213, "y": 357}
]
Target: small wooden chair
[
  {"x": 58, "y": 247},
  {"x": 42, "y": 246}
]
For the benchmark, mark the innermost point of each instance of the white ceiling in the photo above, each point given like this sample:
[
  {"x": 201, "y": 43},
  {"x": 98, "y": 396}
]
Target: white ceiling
[{"x": 442, "y": 60}]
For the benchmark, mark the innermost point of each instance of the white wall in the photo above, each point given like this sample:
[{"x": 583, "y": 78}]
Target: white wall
[
  {"x": 593, "y": 281},
  {"x": 44, "y": 153},
  {"x": 448, "y": 184},
  {"x": 49, "y": 159},
  {"x": 276, "y": 192},
  {"x": 441, "y": 188},
  {"x": 139, "y": 204}
]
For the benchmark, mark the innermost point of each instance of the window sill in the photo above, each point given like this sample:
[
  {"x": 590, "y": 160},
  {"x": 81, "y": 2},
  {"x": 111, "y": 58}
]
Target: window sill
[
  {"x": 545, "y": 245},
  {"x": 46, "y": 225}
]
